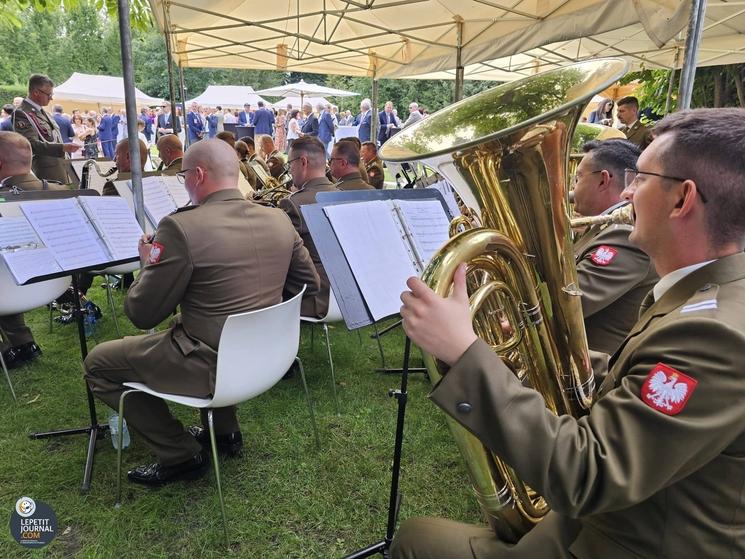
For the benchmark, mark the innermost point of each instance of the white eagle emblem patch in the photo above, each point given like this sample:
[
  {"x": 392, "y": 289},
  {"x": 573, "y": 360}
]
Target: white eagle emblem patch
[
  {"x": 667, "y": 389},
  {"x": 604, "y": 255}
]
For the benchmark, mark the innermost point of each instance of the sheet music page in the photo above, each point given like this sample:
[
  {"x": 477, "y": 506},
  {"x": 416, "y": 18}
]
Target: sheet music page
[
  {"x": 30, "y": 263},
  {"x": 116, "y": 224},
  {"x": 448, "y": 194},
  {"x": 376, "y": 252},
  {"x": 428, "y": 224},
  {"x": 176, "y": 190},
  {"x": 158, "y": 202},
  {"x": 64, "y": 229},
  {"x": 16, "y": 232}
]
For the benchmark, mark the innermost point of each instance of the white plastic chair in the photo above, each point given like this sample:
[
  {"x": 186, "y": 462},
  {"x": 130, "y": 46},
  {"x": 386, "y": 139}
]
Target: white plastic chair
[
  {"x": 256, "y": 349},
  {"x": 332, "y": 315},
  {"x": 21, "y": 298}
]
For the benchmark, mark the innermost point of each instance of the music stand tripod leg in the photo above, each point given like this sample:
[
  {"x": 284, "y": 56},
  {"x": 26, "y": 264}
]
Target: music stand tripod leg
[
  {"x": 94, "y": 427},
  {"x": 394, "y": 498}
]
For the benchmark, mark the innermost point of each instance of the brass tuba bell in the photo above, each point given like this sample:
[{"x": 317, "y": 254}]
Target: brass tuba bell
[{"x": 505, "y": 151}]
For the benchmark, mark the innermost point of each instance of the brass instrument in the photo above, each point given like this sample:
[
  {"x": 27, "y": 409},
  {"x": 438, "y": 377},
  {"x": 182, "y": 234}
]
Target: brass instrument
[
  {"x": 622, "y": 215},
  {"x": 505, "y": 152},
  {"x": 85, "y": 173},
  {"x": 271, "y": 196}
]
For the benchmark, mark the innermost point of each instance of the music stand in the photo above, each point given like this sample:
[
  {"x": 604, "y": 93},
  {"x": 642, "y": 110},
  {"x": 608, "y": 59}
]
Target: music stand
[{"x": 93, "y": 428}]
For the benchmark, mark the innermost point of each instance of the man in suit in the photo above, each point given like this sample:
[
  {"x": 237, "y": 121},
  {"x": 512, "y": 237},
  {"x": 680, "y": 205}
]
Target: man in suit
[
  {"x": 414, "y": 115},
  {"x": 263, "y": 120},
  {"x": 648, "y": 472},
  {"x": 193, "y": 262},
  {"x": 307, "y": 160},
  {"x": 345, "y": 167},
  {"x": 246, "y": 117},
  {"x": 614, "y": 275},
  {"x": 212, "y": 123},
  {"x": 364, "y": 121},
  {"x": 388, "y": 125},
  {"x": 374, "y": 172},
  {"x": 39, "y": 128},
  {"x": 108, "y": 142},
  {"x": 166, "y": 123},
  {"x": 171, "y": 154},
  {"x": 310, "y": 122},
  {"x": 194, "y": 124},
  {"x": 628, "y": 115},
  {"x": 325, "y": 125},
  {"x": 148, "y": 122},
  {"x": 64, "y": 125}
]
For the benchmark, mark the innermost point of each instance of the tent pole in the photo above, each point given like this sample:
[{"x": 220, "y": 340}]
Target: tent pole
[
  {"x": 459, "y": 70},
  {"x": 375, "y": 119},
  {"x": 671, "y": 83},
  {"x": 125, "y": 38},
  {"x": 169, "y": 59},
  {"x": 693, "y": 40},
  {"x": 182, "y": 89}
]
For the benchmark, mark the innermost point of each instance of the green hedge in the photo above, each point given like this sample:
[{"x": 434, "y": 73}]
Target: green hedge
[{"x": 7, "y": 92}]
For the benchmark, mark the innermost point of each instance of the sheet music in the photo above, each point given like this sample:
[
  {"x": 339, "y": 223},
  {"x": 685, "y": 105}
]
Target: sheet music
[
  {"x": 16, "y": 232},
  {"x": 30, "y": 263},
  {"x": 176, "y": 190},
  {"x": 158, "y": 202},
  {"x": 64, "y": 229},
  {"x": 428, "y": 224},
  {"x": 448, "y": 194},
  {"x": 116, "y": 224},
  {"x": 376, "y": 252}
]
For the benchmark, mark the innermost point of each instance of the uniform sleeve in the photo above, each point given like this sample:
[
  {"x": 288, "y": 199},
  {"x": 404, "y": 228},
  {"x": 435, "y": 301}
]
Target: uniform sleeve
[
  {"x": 302, "y": 271},
  {"x": 293, "y": 212},
  {"x": 22, "y": 125},
  {"x": 625, "y": 450},
  {"x": 161, "y": 285},
  {"x": 603, "y": 284}
]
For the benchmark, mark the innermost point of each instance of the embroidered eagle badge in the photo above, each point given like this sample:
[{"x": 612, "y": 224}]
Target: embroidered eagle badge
[
  {"x": 603, "y": 255},
  {"x": 667, "y": 389},
  {"x": 156, "y": 251}
]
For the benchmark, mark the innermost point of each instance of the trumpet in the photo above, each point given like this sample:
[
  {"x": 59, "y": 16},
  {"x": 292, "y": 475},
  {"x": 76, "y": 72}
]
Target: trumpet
[{"x": 623, "y": 215}]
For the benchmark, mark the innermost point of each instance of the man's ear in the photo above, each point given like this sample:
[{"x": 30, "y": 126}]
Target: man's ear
[{"x": 684, "y": 203}]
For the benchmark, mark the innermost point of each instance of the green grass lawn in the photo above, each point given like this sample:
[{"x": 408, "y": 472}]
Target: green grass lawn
[{"x": 283, "y": 497}]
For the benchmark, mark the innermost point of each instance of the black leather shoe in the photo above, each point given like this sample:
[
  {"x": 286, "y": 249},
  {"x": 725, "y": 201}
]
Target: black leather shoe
[
  {"x": 19, "y": 355},
  {"x": 156, "y": 475},
  {"x": 29, "y": 351},
  {"x": 227, "y": 445}
]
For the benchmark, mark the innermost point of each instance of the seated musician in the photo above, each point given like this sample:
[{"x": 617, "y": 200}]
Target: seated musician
[
  {"x": 307, "y": 161},
  {"x": 16, "y": 340},
  {"x": 275, "y": 160},
  {"x": 614, "y": 275},
  {"x": 171, "y": 153},
  {"x": 374, "y": 173},
  {"x": 252, "y": 157},
  {"x": 344, "y": 164},
  {"x": 247, "y": 179},
  {"x": 655, "y": 468},
  {"x": 221, "y": 256}
]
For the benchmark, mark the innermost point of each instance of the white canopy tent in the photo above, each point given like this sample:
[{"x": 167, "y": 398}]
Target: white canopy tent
[
  {"x": 228, "y": 96},
  {"x": 89, "y": 90},
  {"x": 296, "y": 103}
]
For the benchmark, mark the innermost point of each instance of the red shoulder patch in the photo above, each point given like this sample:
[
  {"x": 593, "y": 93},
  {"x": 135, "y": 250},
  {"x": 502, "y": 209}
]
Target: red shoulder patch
[
  {"x": 667, "y": 389},
  {"x": 156, "y": 253},
  {"x": 603, "y": 255}
]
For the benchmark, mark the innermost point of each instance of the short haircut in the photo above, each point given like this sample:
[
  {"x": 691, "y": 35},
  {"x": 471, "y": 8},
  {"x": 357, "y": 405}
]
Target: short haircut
[
  {"x": 226, "y": 136},
  {"x": 8, "y": 109},
  {"x": 366, "y": 103},
  {"x": 354, "y": 139},
  {"x": 39, "y": 80},
  {"x": 371, "y": 146},
  {"x": 219, "y": 108},
  {"x": 629, "y": 100},
  {"x": 58, "y": 109},
  {"x": 15, "y": 152},
  {"x": 312, "y": 148},
  {"x": 260, "y": 103},
  {"x": 614, "y": 155},
  {"x": 241, "y": 149},
  {"x": 348, "y": 151},
  {"x": 249, "y": 141},
  {"x": 708, "y": 147}
]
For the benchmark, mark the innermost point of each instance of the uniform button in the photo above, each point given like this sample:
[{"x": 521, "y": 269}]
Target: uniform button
[
  {"x": 464, "y": 407},
  {"x": 706, "y": 287}
]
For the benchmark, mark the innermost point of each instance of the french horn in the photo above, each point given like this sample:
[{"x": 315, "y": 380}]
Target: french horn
[{"x": 505, "y": 151}]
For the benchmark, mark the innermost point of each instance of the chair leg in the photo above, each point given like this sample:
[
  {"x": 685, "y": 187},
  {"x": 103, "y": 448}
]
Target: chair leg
[
  {"x": 216, "y": 463},
  {"x": 359, "y": 337},
  {"x": 119, "y": 448},
  {"x": 380, "y": 347},
  {"x": 312, "y": 337},
  {"x": 310, "y": 403},
  {"x": 7, "y": 377},
  {"x": 331, "y": 364},
  {"x": 112, "y": 307},
  {"x": 51, "y": 310}
]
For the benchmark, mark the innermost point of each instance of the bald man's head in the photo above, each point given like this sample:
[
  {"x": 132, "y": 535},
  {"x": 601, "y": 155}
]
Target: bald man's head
[
  {"x": 15, "y": 155},
  {"x": 210, "y": 165},
  {"x": 121, "y": 156},
  {"x": 170, "y": 148}
]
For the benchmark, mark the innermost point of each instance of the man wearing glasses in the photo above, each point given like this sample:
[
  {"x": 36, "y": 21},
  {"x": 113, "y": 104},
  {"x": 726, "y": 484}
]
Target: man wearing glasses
[
  {"x": 656, "y": 468},
  {"x": 42, "y": 132},
  {"x": 614, "y": 275}
]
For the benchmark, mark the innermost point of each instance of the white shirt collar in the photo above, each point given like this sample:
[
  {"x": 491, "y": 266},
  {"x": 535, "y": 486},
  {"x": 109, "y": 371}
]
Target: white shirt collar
[
  {"x": 34, "y": 105},
  {"x": 674, "y": 277}
]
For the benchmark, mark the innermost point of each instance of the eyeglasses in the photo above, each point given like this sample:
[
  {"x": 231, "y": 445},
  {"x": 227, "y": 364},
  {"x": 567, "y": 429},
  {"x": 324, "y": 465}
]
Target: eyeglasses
[
  {"x": 577, "y": 176},
  {"x": 294, "y": 159},
  {"x": 631, "y": 175},
  {"x": 48, "y": 94},
  {"x": 181, "y": 176},
  {"x": 336, "y": 159}
]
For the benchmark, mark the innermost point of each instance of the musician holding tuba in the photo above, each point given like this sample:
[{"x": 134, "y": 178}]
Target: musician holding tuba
[
  {"x": 171, "y": 153},
  {"x": 656, "y": 467}
]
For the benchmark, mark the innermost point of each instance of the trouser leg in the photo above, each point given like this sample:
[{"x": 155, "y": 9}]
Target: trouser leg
[
  {"x": 106, "y": 369},
  {"x": 226, "y": 420},
  {"x": 14, "y": 331}
]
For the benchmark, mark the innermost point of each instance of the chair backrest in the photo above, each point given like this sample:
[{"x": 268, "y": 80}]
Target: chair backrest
[
  {"x": 16, "y": 298},
  {"x": 334, "y": 312},
  {"x": 256, "y": 349}
]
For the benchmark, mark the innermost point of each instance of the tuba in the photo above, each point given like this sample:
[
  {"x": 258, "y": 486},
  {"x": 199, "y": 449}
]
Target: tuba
[{"x": 505, "y": 151}]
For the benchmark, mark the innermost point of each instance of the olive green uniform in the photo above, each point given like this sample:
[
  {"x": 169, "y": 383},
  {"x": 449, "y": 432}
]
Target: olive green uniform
[
  {"x": 643, "y": 481},
  {"x": 353, "y": 181},
  {"x": 42, "y": 132},
  {"x": 638, "y": 134},
  {"x": 374, "y": 173},
  {"x": 226, "y": 256},
  {"x": 172, "y": 169},
  {"x": 312, "y": 306}
]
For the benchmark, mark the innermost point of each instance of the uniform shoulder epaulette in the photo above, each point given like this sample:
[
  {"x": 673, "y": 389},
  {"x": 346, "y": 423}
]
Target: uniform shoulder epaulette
[
  {"x": 184, "y": 209},
  {"x": 704, "y": 299}
]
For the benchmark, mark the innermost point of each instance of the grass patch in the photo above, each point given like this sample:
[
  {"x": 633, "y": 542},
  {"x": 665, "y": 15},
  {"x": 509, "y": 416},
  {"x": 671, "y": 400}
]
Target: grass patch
[{"x": 283, "y": 497}]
